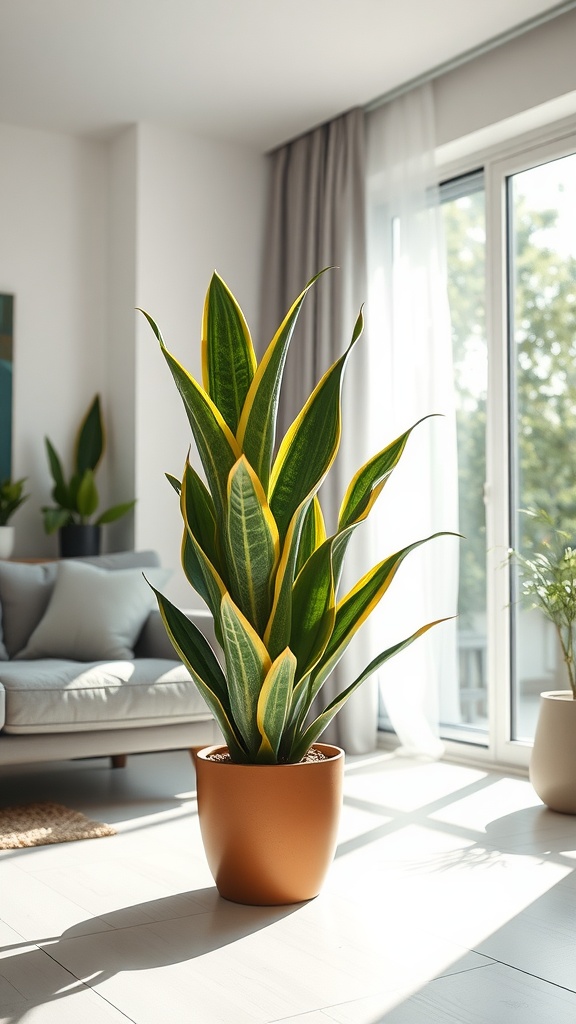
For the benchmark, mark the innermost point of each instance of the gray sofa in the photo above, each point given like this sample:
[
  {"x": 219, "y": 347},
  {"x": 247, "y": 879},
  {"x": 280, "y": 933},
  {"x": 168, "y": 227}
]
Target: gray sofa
[{"x": 86, "y": 668}]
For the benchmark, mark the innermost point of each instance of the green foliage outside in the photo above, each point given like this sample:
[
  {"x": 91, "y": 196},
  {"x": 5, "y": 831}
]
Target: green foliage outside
[{"x": 544, "y": 357}]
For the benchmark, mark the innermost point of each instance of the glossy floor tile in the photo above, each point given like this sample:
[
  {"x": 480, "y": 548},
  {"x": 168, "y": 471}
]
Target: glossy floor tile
[{"x": 451, "y": 898}]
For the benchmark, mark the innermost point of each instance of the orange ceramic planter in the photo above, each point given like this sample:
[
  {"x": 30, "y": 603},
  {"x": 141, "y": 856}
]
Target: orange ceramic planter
[{"x": 269, "y": 831}]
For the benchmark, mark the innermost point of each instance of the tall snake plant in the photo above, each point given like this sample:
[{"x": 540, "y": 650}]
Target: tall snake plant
[{"x": 255, "y": 545}]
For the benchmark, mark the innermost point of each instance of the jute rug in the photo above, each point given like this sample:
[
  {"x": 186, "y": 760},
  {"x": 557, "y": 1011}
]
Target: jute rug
[{"x": 43, "y": 823}]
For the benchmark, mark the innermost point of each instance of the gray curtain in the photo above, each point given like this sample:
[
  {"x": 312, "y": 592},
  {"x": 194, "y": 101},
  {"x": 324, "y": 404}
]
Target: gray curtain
[{"x": 316, "y": 219}]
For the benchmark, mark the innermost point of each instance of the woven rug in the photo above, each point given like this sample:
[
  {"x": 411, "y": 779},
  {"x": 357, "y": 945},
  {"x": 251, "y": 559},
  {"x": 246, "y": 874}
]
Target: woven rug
[{"x": 40, "y": 824}]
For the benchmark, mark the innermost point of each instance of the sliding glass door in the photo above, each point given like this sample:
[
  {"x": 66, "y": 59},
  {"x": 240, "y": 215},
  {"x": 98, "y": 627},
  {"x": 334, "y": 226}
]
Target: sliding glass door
[
  {"x": 510, "y": 246},
  {"x": 541, "y": 224}
]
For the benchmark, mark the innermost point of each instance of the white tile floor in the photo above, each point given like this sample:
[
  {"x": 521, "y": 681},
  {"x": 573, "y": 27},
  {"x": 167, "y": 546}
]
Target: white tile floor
[{"x": 452, "y": 900}]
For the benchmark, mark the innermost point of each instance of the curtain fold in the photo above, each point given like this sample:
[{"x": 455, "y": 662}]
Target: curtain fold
[
  {"x": 358, "y": 194},
  {"x": 410, "y": 328},
  {"x": 316, "y": 219}
]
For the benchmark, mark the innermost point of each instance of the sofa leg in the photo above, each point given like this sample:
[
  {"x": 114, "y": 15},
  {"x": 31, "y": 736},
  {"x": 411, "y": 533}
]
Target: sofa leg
[{"x": 118, "y": 760}]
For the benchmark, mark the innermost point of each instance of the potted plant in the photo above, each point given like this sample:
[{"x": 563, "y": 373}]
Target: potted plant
[
  {"x": 255, "y": 547},
  {"x": 548, "y": 580},
  {"x": 11, "y": 497},
  {"x": 77, "y": 499}
]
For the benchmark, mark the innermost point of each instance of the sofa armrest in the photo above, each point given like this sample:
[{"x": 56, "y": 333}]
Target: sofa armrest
[{"x": 153, "y": 641}]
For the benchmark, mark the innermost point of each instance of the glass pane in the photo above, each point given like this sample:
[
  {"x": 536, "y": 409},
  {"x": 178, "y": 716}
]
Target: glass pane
[
  {"x": 464, "y": 224},
  {"x": 542, "y": 245}
]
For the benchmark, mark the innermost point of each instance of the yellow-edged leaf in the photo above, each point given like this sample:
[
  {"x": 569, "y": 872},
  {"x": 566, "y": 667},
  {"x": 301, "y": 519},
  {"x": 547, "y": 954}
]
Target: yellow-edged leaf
[
  {"x": 247, "y": 664},
  {"x": 368, "y": 482},
  {"x": 228, "y": 359},
  {"x": 199, "y": 658},
  {"x": 313, "y": 609},
  {"x": 357, "y": 605},
  {"x": 199, "y": 570},
  {"x": 199, "y": 514},
  {"x": 257, "y": 425},
  {"x": 252, "y": 545},
  {"x": 305, "y": 740},
  {"x": 273, "y": 705},
  {"x": 310, "y": 444},
  {"x": 278, "y": 629},
  {"x": 313, "y": 533},
  {"x": 215, "y": 441}
]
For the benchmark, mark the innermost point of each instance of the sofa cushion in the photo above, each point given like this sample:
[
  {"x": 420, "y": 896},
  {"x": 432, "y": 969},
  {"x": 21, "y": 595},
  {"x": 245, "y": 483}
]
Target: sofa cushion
[
  {"x": 94, "y": 614},
  {"x": 26, "y": 589},
  {"x": 64, "y": 696}
]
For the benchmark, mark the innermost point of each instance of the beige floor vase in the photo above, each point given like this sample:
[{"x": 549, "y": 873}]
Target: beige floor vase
[{"x": 553, "y": 761}]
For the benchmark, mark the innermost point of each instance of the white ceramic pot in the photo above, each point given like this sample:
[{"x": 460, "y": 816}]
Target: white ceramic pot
[
  {"x": 6, "y": 541},
  {"x": 553, "y": 760}
]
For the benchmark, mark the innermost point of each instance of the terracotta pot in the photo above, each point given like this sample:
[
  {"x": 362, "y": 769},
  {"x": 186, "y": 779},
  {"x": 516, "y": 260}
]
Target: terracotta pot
[
  {"x": 553, "y": 760},
  {"x": 269, "y": 831}
]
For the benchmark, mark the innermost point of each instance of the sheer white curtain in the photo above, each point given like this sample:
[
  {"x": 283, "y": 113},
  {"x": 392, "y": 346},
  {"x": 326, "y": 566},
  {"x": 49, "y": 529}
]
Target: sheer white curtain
[{"x": 410, "y": 342}]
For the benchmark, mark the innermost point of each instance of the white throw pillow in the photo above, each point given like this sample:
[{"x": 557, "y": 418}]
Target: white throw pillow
[{"x": 94, "y": 614}]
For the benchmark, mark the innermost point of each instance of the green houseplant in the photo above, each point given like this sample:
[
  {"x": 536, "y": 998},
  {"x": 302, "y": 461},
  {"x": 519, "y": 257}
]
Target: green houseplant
[
  {"x": 548, "y": 582},
  {"x": 548, "y": 579},
  {"x": 76, "y": 498},
  {"x": 11, "y": 497},
  {"x": 255, "y": 548}
]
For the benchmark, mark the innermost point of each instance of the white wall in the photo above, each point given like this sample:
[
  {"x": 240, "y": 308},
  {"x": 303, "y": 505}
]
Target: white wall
[
  {"x": 52, "y": 258},
  {"x": 90, "y": 230},
  {"x": 200, "y": 208}
]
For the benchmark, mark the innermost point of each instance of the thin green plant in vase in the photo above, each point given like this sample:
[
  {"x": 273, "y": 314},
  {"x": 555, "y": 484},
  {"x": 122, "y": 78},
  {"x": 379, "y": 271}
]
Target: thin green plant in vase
[{"x": 548, "y": 582}]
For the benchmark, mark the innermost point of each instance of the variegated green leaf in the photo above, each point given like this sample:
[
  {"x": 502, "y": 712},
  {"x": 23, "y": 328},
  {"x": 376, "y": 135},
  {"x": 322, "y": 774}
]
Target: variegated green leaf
[
  {"x": 273, "y": 705},
  {"x": 313, "y": 609},
  {"x": 215, "y": 441},
  {"x": 305, "y": 740},
  {"x": 200, "y": 571},
  {"x": 247, "y": 665},
  {"x": 279, "y": 627},
  {"x": 199, "y": 658},
  {"x": 174, "y": 482},
  {"x": 310, "y": 444},
  {"x": 252, "y": 545},
  {"x": 257, "y": 426},
  {"x": 368, "y": 482},
  {"x": 313, "y": 533},
  {"x": 200, "y": 514},
  {"x": 228, "y": 359},
  {"x": 353, "y": 610}
]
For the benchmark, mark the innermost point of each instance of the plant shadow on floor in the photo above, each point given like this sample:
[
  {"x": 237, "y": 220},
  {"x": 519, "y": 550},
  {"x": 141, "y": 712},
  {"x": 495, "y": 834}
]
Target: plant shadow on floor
[{"x": 146, "y": 936}]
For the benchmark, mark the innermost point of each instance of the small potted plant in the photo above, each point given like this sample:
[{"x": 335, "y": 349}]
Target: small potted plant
[
  {"x": 11, "y": 497},
  {"x": 77, "y": 499},
  {"x": 548, "y": 582},
  {"x": 255, "y": 547}
]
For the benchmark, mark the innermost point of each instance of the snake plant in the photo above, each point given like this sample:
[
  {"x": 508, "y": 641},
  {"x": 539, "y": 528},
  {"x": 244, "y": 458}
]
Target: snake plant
[{"x": 255, "y": 545}]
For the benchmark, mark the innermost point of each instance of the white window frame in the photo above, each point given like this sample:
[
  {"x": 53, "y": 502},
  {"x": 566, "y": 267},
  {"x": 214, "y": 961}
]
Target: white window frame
[{"x": 500, "y": 162}]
